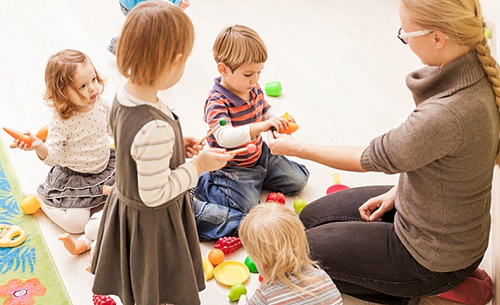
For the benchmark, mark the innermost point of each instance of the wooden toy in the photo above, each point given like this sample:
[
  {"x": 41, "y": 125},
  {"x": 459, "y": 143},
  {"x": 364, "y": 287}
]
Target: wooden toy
[
  {"x": 337, "y": 186},
  {"x": 222, "y": 122},
  {"x": 11, "y": 236},
  {"x": 251, "y": 148}
]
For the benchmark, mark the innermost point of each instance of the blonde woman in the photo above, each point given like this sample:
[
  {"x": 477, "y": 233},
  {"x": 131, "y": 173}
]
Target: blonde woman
[
  {"x": 428, "y": 234},
  {"x": 275, "y": 240}
]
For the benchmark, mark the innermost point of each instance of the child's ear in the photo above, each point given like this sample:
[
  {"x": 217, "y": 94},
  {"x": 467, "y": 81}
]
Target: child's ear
[{"x": 223, "y": 69}]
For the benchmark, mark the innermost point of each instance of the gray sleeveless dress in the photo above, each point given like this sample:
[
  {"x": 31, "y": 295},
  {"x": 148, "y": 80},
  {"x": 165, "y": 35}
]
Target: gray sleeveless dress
[{"x": 146, "y": 255}]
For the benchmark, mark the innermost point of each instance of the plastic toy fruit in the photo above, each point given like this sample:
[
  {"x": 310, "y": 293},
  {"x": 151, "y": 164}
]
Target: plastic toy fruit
[
  {"x": 22, "y": 137},
  {"x": 42, "y": 133},
  {"x": 261, "y": 278},
  {"x": 292, "y": 127},
  {"x": 273, "y": 88},
  {"x": 208, "y": 268},
  {"x": 11, "y": 236},
  {"x": 236, "y": 291},
  {"x": 103, "y": 300},
  {"x": 251, "y": 265},
  {"x": 276, "y": 197},
  {"x": 30, "y": 204},
  {"x": 228, "y": 244},
  {"x": 298, "y": 205},
  {"x": 216, "y": 256}
]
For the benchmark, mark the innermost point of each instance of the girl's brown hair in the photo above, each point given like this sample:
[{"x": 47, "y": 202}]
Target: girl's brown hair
[
  {"x": 462, "y": 21},
  {"x": 153, "y": 35},
  {"x": 274, "y": 236},
  {"x": 59, "y": 76},
  {"x": 237, "y": 45}
]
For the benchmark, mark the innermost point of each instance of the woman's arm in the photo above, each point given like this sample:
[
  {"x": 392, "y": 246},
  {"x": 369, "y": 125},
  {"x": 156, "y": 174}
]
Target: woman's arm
[{"x": 339, "y": 157}]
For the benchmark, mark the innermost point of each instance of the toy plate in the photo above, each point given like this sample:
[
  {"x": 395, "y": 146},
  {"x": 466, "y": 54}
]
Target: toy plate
[{"x": 231, "y": 272}]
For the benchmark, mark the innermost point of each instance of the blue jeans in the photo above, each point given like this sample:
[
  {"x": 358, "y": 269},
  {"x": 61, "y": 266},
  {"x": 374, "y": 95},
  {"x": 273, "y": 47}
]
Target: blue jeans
[
  {"x": 366, "y": 259},
  {"x": 226, "y": 195}
]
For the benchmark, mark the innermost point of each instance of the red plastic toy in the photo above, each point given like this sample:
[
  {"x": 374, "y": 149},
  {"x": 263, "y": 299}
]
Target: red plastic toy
[
  {"x": 228, "y": 244},
  {"x": 337, "y": 186},
  {"x": 103, "y": 300}
]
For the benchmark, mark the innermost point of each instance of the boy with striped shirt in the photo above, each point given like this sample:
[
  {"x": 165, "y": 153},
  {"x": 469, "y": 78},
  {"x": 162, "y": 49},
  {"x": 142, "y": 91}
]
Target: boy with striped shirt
[{"x": 223, "y": 197}]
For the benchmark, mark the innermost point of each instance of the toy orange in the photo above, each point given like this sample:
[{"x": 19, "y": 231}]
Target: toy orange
[
  {"x": 216, "y": 256},
  {"x": 42, "y": 133}
]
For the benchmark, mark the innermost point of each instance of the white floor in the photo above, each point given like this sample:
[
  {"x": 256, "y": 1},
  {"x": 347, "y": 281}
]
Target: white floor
[{"x": 341, "y": 65}]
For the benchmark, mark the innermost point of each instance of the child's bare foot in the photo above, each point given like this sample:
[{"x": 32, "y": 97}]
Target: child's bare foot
[
  {"x": 73, "y": 247},
  {"x": 106, "y": 189}
]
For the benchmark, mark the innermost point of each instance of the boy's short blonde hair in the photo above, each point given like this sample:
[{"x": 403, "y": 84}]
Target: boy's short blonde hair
[
  {"x": 239, "y": 44},
  {"x": 153, "y": 35},
  {"x": 274, "y": 236},
  {"x": 59, "y": 76}
]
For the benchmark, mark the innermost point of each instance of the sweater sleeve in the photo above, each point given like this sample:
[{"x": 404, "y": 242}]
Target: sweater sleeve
[
  {"x": 152, "y": 150},
  {"x": 429, "y": 133}
]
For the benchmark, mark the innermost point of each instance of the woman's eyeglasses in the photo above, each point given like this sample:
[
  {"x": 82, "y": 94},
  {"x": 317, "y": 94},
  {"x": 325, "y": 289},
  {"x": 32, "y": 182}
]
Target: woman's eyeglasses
[{"x": 403, "y": 36}]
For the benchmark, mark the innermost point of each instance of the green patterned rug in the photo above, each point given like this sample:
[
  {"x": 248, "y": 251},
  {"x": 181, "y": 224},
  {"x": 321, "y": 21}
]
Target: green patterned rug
[{"x": 28, "y": 274}]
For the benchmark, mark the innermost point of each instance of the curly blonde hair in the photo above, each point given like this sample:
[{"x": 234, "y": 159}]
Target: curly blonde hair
[
  {"x": 275, "y": 238},
  {"x": 59, "y": 76},
  {"x": 238, "y": 44},
  {"x": 462, "y": 21},
  {"x": 153, "y": 35}
]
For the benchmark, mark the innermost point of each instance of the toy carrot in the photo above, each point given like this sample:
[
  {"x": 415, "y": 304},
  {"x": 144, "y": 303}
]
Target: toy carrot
[{"x": 22, "y": 137}]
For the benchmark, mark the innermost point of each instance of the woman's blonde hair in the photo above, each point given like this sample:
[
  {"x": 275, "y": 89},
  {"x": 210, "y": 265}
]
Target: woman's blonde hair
[
  {"x": 238, "y": 44},
  {"x": 59, "y": 76},
  {"x": 462, "y": 21},
  {"x": 153, "y": 36},
  {"x": 275, "y": 238}
]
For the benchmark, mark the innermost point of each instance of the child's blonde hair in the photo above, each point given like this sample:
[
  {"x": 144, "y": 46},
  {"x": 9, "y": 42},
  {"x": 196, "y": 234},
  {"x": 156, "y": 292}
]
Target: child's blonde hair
[
  {"x": 237, "y": 45},
  {"x": 59, "y": 75},
  {"x": 463, "y": 22},
  {"x": 153, "y": 35},
  {"x": 275, "y": 238}
]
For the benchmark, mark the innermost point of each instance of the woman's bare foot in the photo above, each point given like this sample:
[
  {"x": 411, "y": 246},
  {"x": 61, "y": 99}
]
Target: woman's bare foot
[{"x": 73, "y": 247}]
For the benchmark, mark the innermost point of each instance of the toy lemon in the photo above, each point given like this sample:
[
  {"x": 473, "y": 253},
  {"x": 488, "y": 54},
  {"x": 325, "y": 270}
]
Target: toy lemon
[
  {"x": 30, "y": 204},
  {"x": 11, "y": 236}
]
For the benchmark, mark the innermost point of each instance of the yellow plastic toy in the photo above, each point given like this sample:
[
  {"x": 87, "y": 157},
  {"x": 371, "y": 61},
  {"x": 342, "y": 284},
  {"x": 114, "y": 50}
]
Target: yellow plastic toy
[
  {"x": 11, "y": 236},
  {"x": 30, "y": 204}
]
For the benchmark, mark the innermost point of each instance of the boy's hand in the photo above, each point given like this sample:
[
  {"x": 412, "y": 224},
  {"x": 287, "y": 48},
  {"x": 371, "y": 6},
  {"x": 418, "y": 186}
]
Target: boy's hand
[
  {"x": 184, "y": 4},
  {"x": 191, "y": 148},
  {"x": 278, "y": 124}
]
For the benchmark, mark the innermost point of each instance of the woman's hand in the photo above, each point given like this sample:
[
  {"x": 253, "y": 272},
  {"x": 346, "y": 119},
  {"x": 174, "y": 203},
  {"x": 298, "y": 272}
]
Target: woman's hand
[
  {"x": 375, "y": 208},
  {"x": 281, "y": 144},
  {"x": 191, "y": 148}
]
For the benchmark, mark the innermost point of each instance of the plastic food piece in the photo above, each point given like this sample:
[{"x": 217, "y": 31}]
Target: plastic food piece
[
  {"x": 273, "y": 88},
  {"x": 337, "y": 186},
  {"x": 208, "y": 268},
  {"x": 30, "y": 204},
  {"x": 228, "y": 244},
  {"x": 103, "y": 300},
  {"x": 251, "y": 265},
  {"x": 19, "y": 136},
  {"x": 298, "y": 205},
  {"x": 231, "y": 272},
  {"x": 237, "y": 290},
  {"x": 216, "y": 256},
  {"x": 11, "y": 236},
  {"x": 261, "y": 278},
  {"x": 276, "y": 197},
  {"x": 42, "y": 133}
]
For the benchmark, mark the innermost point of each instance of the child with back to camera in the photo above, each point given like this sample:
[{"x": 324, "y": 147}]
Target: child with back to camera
[
  {"x": 223, "y": 197},
  {"x": 77, "y": 148},
  {"x": 147, "y": 250},
  {"x": 281, "y": 254}
]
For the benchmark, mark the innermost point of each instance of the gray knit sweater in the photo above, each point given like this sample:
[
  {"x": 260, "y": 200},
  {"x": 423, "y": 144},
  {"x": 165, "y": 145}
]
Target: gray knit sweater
[{"x": 445, "y": 153}]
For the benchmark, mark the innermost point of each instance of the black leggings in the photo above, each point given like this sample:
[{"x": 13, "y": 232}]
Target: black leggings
[{"x": 366, "y": 259}]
